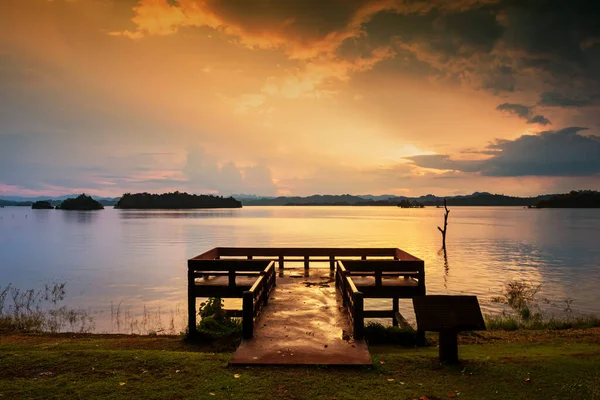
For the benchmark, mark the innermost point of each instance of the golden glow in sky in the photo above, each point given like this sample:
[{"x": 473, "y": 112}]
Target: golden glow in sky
[{"x": 296, "y": 97}]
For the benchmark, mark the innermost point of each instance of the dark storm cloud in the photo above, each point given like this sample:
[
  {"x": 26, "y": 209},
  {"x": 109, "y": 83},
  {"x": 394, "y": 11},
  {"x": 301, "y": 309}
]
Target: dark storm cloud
[
  {"x": 524, "y": 112},
  {"x": 306, "y": 19},
  {"x": 554, "y": 99},
  {"x": 565, "y": 152},
  {"x": 499, "y": 45}
]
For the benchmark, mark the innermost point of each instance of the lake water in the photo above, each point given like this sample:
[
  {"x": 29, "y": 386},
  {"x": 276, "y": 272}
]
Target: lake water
[{"x": 137, "y": 259}]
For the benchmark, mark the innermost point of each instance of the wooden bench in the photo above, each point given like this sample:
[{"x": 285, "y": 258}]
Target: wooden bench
[
  {"x": 250, "y": 280},
  {"x": 381, "y": 279}
]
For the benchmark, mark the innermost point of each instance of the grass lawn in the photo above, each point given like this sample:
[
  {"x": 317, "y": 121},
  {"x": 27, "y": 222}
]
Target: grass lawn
[{"x": 496, "y": 365}]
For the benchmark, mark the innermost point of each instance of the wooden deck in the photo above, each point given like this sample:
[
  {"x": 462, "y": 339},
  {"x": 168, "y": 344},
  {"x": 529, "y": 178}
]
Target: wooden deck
[
  {"x": 304, "y": 315},
  {"x": 303, "y": 324}
]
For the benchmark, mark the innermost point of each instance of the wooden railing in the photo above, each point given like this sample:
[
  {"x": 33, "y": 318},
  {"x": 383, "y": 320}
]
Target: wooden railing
[
  {"x": 254, "y": 299},
  {"x": 378, "y": 263},
  {"x": 353, "y": 293},
  {"x": 305, "y": 255},
  {"x": 352, "y": 300},
  {"x": 205, "y": 270}
]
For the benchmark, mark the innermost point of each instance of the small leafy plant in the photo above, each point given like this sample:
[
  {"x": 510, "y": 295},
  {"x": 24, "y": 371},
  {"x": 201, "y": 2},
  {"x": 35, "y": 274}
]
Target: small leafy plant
[
  {"x": 520, "y": 297},
  {"x": 215, "y": 324}
]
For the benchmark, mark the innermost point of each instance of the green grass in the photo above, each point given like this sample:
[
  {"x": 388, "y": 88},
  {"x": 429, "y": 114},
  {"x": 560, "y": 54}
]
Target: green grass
[
  {"x": 511, "y": 322},
  {"x": 498, "y": 365}
]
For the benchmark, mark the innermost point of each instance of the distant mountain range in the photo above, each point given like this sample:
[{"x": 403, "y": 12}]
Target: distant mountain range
[{"x": 475, "y": 199}]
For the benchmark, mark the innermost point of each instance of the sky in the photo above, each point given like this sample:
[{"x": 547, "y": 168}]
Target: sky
[{"x": 299, "y": 97}]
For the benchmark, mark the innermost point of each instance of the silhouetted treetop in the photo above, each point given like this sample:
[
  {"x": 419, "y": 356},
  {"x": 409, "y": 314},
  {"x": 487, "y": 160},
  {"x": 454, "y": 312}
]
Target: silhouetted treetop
[
  {"x": 175, "y": 200},
  {"x": 81, "y": 202},
  {"x": 42, "y": 205}
]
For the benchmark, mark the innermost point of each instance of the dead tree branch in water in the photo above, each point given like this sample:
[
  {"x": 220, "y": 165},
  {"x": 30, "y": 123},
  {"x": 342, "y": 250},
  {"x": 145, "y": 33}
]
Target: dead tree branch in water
[{"x": 443, "y": 231}]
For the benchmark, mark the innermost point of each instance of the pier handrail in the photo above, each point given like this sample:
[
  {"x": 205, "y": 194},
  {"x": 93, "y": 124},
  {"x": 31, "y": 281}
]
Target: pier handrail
[
  {"x": 259, "y": 262},
  {"x": 352, "y": 300},
  {"x": 254, "y": 299},
  {"x": 304, "y": 254}
]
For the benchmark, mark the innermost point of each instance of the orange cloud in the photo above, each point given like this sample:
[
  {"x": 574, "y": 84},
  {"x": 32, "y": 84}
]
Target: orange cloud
[{"x": 160, "y": 17}]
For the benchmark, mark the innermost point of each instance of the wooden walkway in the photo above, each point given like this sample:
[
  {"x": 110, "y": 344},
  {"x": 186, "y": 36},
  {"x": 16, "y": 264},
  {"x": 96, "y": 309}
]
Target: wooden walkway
[{"x": 303, "y": 323}]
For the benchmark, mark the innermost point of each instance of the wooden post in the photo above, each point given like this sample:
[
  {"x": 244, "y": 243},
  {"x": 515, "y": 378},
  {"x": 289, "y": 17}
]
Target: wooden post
[
  {"x": 396, "y": 308},
  {"x": 378, "y": 278},
  {"x": 332, "y": 263},
  {"x": 443, "y": 231},
  {"x": 306, "y": 262},
  {"x": 249, "y": 257},
  {"x": 448, "y": 347},
  {"x": 191, "y": 303},
  {"x": 359, "y": 316},
  {"x": 364, "y": 258},
  {"x": 231, "y": 278},
  {"x": 280, "y": 262},
  {"x": 248, "y": 315}
]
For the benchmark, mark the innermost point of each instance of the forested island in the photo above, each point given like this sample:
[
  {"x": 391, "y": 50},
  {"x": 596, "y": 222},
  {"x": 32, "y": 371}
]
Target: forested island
[
  {"x": 80, "y": 203},
  {"x": 42, "y": 205},
  {"x": 175, "y": 200},
  {"x": 575, "y": 199}
]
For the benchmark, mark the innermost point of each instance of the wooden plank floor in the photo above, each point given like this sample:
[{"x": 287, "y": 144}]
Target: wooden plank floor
[{"x": 302, "y": 325}]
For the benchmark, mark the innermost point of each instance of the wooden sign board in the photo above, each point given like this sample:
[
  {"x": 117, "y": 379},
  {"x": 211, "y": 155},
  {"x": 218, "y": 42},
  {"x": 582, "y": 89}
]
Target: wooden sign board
[{"x": 448, "y": 313}]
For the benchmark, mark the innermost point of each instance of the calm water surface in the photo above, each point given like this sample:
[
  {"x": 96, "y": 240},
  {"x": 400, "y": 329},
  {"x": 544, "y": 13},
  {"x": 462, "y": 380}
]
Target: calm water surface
[{"x": 138, "y": 258}]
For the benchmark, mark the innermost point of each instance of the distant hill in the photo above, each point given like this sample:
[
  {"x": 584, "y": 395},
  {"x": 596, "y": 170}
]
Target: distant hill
[
  {"x": 175, "y": 200},
  {"x": 575, "y": 199},
  {"x": 475, "y": 199},
  {"x": 80, "y": 203}
]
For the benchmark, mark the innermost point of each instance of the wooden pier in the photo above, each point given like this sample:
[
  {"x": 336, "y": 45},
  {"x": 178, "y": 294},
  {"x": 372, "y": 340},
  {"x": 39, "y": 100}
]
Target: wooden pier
[{"x": 303, "y": 315}]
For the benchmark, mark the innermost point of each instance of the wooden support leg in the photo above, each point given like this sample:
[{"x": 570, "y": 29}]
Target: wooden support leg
[
  {"x": 280, "y": 262},
  {"x": 191, "y": 305},
  {"x": 248, "y": 315},
  {"x": 359, "y": 316},
  {"x": 449, "y": 347},
  {"x": 305, "y": 262},
  {"x": 396, "y": 308},
  {"x": 331, "y": 263}
]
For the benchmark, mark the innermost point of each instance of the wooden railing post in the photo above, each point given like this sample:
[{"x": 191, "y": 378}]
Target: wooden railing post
[
  {"x": 248, "y": 315},
  {"x": 306, "y": 258},
  {"x": 231, "y": 278},
  {"x": 396, "y": 309},
  {"x": 281, "y": 262},
  {"x": 191, "y": 304},
  {"x": 359, "y": 316},
  {"x": 332, "y": 263}
]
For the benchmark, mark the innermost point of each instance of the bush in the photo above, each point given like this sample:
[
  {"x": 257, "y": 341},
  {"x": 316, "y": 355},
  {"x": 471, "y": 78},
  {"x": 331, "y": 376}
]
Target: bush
[
  {"x": 215, "y": 325},
  {"x": 520, "y": 297}
]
